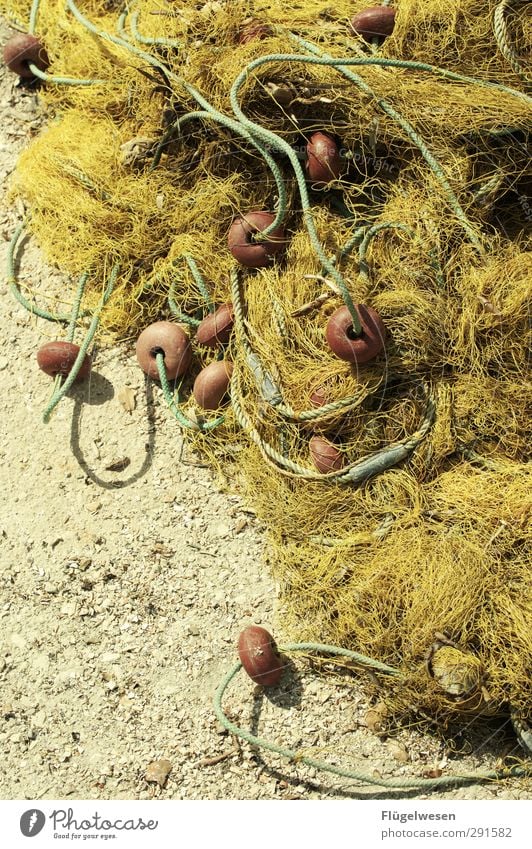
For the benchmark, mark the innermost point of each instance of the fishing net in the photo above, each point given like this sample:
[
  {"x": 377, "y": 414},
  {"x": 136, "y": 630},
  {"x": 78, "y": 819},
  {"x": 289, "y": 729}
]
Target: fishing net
[{"x": 423, "y": 530}]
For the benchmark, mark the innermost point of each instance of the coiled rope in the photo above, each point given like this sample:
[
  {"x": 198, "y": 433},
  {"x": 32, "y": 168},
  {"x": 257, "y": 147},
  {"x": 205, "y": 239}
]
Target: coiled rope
[
  {"x": 500, "y": 30},
  {"x": 295, "y": 756}
]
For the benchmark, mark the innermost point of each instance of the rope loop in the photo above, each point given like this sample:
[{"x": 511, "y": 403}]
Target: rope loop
[{"x": 295, "y": 756}]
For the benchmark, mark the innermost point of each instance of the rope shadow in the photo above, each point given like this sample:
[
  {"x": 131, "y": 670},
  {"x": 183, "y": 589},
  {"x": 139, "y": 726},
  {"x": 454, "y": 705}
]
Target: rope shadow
[
  {"x": 473, "y": 743},
  {"x": 75, "y": 431}
]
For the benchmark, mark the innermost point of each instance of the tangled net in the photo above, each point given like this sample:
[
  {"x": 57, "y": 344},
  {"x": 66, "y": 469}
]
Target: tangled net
[{"x": 176, "y": 124}]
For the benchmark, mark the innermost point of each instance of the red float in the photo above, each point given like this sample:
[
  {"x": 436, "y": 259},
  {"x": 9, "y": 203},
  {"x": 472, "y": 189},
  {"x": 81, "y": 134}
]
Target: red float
[
  {"x": 259, "y": 656},
  {"x": 58, "y": 358},
  {"x": 216, "y": 328},
  {"x": 345, "y": 344},
  {"x": 167, "y": 338},
  {"x": 323, "y": 160},
  {"x": 23, "y": 49},
  {"x": 251, "y": 253},
  {"x": 325, "y": 456},
  {"x": 374, "y": 22},
  {"x": 212, "y": 384}
]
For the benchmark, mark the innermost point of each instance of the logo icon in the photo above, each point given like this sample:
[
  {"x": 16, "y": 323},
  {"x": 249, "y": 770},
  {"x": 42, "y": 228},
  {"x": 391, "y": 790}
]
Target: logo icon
[{"x": 32, "y": 822}]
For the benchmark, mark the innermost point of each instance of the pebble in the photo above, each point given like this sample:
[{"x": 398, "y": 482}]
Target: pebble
[
  {"x": 158, "y": 771},
  {"x": 399, "y": 751}
]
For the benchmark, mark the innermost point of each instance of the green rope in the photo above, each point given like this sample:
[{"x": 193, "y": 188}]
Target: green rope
[
  {"x": 34, "y": 11},
  {"x": 142, "y": 39},
  {"x": 393, "y": 225},
  {"x": 77, "y": 306},
  {"x": 409, "y": 66},
  {"x": 42, "y": 75},
  {"x": 200, "y": 282},
  {"x": 60, "y": 392},
  {"x": 297, "y": 757},
  {"x": 355, "y": 473},
  {"x": 121, "y": 24},
  {"x": 50, "y": 78},
  {"x": 326, "y": 59},
  {"x": 282, "y": 146},
  {"x": 503, "y": 42},
  {"x": 173, "y": 402},
  {"x": 14, "y": 287}
]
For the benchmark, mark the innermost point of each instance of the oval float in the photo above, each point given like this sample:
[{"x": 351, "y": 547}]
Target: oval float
[
  {"x": 325, "y": 456},
  {"x": 259, "y": 656},
  {"x": 166, "y": 338},
  {"x": 215, "y": 329},
  {"x": 23, "y": 49},
  {"x": 347, "y": 346},
  {"x": 58, "y": 358},
  {"x": 248, "y": 252},
  {"x": 374, "y": 22},
  {"x": 323, "y": 159},
  {"x": 212, "y": 384}
]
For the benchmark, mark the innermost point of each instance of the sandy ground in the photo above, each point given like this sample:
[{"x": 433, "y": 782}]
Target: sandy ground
[{"x": 123, "y": 594}]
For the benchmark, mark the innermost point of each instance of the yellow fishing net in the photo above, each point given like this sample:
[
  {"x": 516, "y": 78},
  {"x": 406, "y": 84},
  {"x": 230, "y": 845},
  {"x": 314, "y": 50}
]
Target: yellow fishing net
[{"x": 435, "y": 542}]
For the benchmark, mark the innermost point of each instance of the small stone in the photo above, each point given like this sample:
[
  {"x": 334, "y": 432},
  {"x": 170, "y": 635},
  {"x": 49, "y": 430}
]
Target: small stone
[
  {"x": 111, "y": 685},
  {"x": 240, "y": 525},
  {"x": 398, "y": 750},
  {"x": 158, "y": 772},
  {"x": 94, "y": 505},
  {"x": 118, "y": 465},
  {"x": 4, "y": 362},
  {"x": 375, "y": 718}
]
